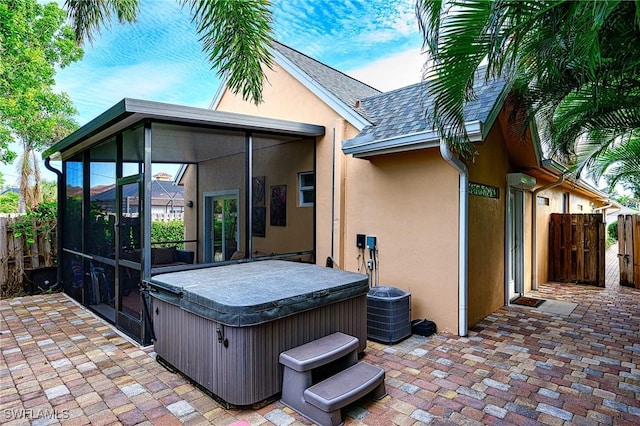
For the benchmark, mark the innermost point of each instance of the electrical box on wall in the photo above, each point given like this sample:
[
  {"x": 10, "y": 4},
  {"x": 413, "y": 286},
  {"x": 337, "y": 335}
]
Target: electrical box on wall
[
  {"x": 371, "y": 242},
  {"x": 360, "y": 241}
]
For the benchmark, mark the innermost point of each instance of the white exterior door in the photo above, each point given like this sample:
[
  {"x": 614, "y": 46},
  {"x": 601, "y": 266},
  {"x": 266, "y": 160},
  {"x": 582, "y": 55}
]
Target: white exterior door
[{"x": 515, "y": 244}]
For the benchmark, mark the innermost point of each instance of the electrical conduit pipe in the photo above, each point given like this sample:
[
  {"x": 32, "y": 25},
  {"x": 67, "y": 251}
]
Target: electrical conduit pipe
[{"x": 463, "y": 235}]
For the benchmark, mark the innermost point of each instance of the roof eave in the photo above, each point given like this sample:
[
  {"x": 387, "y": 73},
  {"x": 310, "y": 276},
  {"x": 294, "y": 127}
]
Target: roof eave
[
  {"x": 344, "y": 110},
  {"x": 559, "y": 169},
  {"x": 111, "y": 115},
  {"x": 138, "y": 110},
  {"x": 217, "y": 98},
  {"x": 364, "y": 147}
]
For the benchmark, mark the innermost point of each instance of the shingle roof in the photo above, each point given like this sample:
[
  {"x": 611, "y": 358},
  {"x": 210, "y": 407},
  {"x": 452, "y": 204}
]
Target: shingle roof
[
  {"x": 347, "y": 89},
  {"x": 408, "y": 110},
  {"x": 394, "y": 120},
  {"x": 159, "y": 190}
]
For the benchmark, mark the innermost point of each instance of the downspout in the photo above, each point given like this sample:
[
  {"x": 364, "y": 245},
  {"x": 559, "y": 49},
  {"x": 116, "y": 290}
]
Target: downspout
[
  {"x": 603, "y": 209},
  {"x": 463, "y": 235},
  {"x": 333, "y": 197},
  {"x": 534, "y": 229},
  {"x": 47, "y": 164}
]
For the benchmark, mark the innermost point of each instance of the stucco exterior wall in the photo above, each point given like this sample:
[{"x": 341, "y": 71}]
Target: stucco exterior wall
[
  {"x": 280, "y": 164},
  {"x": 216, "y": 176},
  {"x": 191, "y": 213},
  {"x": 409, "y": 201},
  {"x": 487, "y": 228}
]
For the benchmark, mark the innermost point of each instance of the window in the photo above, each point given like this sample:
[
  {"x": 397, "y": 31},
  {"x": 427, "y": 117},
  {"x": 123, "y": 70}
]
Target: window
[
  {"x": 565, "y": 202},
  {"x": 306, "y": 189},
  {"x": 543, "y": 201}
]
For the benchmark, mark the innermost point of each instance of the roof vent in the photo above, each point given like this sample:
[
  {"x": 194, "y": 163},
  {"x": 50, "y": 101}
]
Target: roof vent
[{"x": 357, "y": 103}]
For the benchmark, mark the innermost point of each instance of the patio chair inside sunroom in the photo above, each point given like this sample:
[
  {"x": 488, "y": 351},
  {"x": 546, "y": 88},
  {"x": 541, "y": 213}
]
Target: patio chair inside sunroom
[{"x": 248, "y": 184}]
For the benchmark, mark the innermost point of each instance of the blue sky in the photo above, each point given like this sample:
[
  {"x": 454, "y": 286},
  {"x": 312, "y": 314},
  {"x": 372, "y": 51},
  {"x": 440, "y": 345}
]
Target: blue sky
[{"x": 160, "y": 59}]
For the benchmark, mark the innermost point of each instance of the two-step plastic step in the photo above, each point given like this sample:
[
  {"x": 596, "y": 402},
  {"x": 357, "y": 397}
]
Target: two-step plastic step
[{"x": 348, "y": 380}]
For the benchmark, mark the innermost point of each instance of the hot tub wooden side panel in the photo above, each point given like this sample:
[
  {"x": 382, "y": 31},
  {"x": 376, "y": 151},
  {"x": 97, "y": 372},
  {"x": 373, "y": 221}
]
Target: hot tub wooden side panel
[{"x": 247, "y": 371}]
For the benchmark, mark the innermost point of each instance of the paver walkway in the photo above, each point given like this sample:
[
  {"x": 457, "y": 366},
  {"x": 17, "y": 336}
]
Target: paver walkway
[{"x": 522, "y": 366}]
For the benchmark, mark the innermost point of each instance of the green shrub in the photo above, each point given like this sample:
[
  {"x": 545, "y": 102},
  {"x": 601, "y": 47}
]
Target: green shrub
[
  {"x": 167, "y": 231},
  {"x": 9, "y": 202},
  {"x": 41, "y": 220},
  {"x": 612, "y": 230}
]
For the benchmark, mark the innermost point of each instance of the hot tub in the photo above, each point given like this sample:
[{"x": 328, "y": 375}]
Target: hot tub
[{"x": 224, "y": 327}]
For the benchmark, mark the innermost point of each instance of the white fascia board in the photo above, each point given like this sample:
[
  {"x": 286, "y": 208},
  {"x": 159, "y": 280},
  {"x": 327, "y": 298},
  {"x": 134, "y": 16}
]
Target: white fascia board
[
  {"x": 403, "y": 143},
  {"x": 219, "y": 93},
  {"x": 559, "y": 169},
  {"x": 355, "y": 119},
  {"x": 410, "y": 142},
  {"x": 474, "y": 131}
]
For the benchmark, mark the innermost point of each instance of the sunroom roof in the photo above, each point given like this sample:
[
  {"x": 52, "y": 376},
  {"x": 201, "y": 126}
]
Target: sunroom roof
[{"x": 196, "y": 125}]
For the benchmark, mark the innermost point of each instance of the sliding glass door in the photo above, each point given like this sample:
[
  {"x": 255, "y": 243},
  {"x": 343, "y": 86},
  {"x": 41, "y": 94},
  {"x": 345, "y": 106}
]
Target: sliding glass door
[{"x": 221, "y": 230}]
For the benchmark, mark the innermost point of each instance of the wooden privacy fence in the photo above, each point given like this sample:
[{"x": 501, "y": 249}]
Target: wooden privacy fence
[
  {"x": 577, "y": 248},
  {"x": 20, "y": 255},
  {"x": 629, "y": 250}
]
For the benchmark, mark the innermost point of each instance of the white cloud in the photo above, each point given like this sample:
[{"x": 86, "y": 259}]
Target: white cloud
[
  {"x": 322, "y": 29},
  {"x": 393, "y": 71},
  {"x": 94, "y": 90}
]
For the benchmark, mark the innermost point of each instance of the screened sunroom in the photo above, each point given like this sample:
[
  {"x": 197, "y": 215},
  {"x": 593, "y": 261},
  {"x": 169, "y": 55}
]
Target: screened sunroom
[{"x": 248, "y": 185}]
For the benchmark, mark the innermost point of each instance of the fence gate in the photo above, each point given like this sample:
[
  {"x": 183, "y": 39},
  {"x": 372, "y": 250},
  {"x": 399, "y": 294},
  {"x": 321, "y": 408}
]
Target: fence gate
[
  {"x": 577, "y": 248},
  {"x": 629, "y": 250}
]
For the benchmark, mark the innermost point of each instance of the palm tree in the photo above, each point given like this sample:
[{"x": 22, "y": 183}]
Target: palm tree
[
  {"x": 573, "y": 67},
  {"x": 236, "y": 34},
  {"x": 618, "y": 162}
]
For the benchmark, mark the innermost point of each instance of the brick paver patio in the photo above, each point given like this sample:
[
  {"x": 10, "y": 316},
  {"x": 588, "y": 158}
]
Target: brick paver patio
[{"x": 520, "y": 366}]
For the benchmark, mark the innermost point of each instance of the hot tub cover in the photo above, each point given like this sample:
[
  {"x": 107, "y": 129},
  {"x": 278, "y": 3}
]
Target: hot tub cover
[{"x": 253, "y": 293}]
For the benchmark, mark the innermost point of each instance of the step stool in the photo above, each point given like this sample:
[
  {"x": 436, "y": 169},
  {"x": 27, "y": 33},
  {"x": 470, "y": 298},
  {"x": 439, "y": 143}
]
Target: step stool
[{"x": 320, "y": 400}]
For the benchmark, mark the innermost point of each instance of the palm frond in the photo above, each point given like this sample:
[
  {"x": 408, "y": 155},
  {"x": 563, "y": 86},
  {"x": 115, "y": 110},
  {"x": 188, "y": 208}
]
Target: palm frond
[
  {"x": 453, "y": 40},
  {"x": 236, "y": 35},
  {"x": 573, "y": 66},
  {"x": 617, "y": 161},
  {"x": 88, "y": 16}
]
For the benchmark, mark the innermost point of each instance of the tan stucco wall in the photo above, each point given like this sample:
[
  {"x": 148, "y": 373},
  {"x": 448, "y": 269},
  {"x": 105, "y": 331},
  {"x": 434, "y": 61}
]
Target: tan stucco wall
[
  {"x": 280, "y": 164},
  {"x": 487, "y": 229},
  {"x": 409, "y": 202},
  {"x": 225, "y": 174},
  {"x": 191, "y": 213},
  {"x": 528, "y": 238}
]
